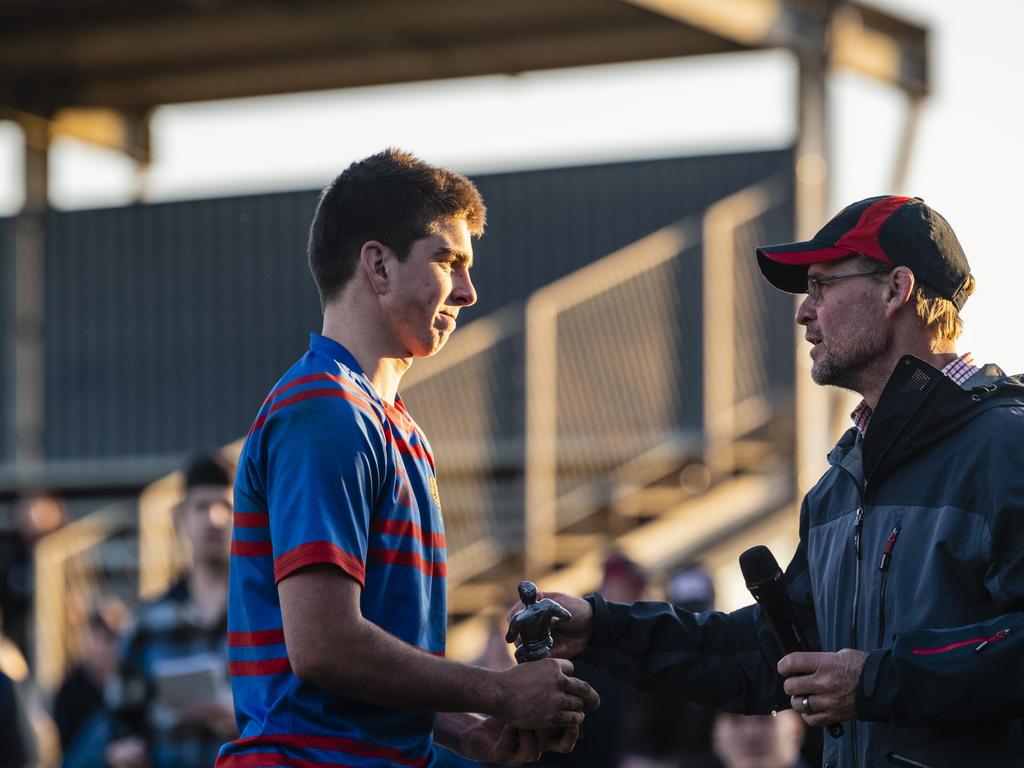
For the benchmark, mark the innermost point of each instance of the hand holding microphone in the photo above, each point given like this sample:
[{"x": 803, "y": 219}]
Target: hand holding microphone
[{"x": 767, "y": 584}]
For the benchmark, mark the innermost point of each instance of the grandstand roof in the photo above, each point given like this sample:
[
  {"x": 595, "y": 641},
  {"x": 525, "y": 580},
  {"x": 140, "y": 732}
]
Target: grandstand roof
[{"x": 133, "y": 55}]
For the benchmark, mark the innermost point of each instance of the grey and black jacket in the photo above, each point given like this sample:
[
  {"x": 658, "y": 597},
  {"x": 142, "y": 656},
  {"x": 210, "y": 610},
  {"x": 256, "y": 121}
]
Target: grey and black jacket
[{"x": 911, "y": 548}]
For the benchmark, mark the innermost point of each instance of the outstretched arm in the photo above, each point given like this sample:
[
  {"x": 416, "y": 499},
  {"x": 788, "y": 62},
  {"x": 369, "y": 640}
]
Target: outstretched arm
[
  {"x": 723, "y": 660},
  {"x": 378, "y": 668}
]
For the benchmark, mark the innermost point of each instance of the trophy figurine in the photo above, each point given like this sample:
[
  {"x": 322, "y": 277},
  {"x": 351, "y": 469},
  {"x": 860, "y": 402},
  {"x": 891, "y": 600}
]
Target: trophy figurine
[{"x": 533, "y": 624}]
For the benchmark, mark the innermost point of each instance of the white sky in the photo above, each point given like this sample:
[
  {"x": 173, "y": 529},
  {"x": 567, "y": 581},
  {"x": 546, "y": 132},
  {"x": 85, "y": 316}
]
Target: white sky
[{"x": 966, "y": 160}]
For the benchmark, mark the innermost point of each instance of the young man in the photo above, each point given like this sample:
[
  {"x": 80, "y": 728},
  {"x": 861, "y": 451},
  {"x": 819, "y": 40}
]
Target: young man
[
  {"x": 909, "y": 574},
  {"x": 337, "y": 612},
  {"x": 162, "y": 719}
]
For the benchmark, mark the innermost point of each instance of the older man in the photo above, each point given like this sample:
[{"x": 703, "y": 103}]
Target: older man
[{"x": 909, "y": 575}]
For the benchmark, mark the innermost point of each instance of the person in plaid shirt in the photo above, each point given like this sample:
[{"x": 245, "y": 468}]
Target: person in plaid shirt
[{"x": 170, "y": 700}]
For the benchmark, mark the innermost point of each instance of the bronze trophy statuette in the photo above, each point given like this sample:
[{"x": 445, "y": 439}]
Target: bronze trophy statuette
[{"x": 533, "y": 624}]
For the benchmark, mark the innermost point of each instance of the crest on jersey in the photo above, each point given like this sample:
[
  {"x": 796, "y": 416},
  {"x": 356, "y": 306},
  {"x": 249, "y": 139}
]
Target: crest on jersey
[{"x": 434, "y": 494}]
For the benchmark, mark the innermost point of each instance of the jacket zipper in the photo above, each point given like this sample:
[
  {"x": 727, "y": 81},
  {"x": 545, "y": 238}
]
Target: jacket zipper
[
  {"x": 883, "y": 566},
  {"x": 991, "y": 640},
  {"x": 858, "y": 526},
  {"x": 982, "y": 644}
]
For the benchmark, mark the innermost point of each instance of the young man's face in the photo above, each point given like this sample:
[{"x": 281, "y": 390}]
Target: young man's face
[{"x": 427, "y": 290}]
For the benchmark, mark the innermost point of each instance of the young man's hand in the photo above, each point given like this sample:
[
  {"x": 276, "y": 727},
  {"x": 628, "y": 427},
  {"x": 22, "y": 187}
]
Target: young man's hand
[
  {"x": 491, "y": 741},
  {"x": 572, "y": 636},
  {"x": 543, "y": 694}
]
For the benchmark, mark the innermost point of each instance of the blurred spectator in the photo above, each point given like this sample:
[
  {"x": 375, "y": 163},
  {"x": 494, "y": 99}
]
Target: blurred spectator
[
  {"x": 690, "y": 588},
  {"x": 17, "y": 748},
  {"x": 759, "y": 741},
  {"x": 170, "y": 700},
  {"x": 79, "y": 704},
  {"x": 34, "y": 721},
  {"x": 35, "y": 515}
]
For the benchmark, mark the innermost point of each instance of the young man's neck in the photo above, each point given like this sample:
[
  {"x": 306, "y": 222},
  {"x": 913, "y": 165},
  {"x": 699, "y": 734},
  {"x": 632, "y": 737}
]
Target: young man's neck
[{"x": 368, "y": 344}]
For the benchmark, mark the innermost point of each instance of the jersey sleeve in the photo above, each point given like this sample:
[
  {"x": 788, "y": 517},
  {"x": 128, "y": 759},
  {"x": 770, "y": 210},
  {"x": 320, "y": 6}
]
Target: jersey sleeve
[{"x": 326, "y": 462}]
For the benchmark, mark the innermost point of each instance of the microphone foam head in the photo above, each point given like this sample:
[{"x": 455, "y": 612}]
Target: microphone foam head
[{"x": 759, "y": 565}]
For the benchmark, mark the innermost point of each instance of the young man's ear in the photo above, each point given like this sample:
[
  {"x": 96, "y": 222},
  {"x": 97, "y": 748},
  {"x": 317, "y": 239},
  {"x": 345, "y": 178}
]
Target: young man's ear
[{"x": 374, "y": 261}]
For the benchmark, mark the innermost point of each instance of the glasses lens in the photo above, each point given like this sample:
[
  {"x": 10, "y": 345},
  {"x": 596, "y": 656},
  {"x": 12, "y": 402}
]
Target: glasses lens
[{"x": 814, "y": 289}]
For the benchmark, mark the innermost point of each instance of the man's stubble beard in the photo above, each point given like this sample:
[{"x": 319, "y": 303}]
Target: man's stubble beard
[{"x": 847, "y": 367}]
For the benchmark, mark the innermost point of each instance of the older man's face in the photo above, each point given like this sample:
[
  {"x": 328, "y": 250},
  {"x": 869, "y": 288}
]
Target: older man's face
[{"x": 846, "y": 327}]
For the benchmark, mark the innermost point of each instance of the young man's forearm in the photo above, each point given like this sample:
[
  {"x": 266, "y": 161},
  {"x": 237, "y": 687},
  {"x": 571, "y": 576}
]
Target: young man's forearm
[{"x": 378, "y": 668}]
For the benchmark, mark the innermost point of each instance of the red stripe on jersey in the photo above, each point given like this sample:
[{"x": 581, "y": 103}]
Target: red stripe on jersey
[
  {"x": 251, "y": 548},
  {"x": 272, "y": 760},
  {"x": 333, "y": 743},
  {"x": 434, "y": 569},
  {"x": 263, "y": 667},
  {"x": 404, "y": 487},
  {"x": 416, "y": 451},
  {"x": 316, "y": 552},
  {"x": 398, "y": 415},
  {"x": 408, "y": 529},
  {"x": 260, "y": 637},
  {"x": 251, "y": 519},
  {"x": 310, "y": 394},
  {"x": 317, "y": 377}
]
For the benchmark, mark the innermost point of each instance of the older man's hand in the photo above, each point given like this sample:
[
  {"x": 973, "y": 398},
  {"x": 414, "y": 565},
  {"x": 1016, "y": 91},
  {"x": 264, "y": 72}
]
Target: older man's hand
[{"x": 823, "y": 686}]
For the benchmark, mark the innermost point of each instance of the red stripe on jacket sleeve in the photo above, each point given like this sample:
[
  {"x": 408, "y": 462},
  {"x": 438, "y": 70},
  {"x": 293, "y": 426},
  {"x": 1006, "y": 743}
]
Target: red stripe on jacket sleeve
[
  {"x": 316, "y": 552},
  {"x": 950, "y": 647}
]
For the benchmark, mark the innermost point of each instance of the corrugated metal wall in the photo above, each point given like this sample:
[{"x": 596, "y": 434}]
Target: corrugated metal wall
[
  {"x": 546, "y": 224},
  {"x": 167, "y": 323}
]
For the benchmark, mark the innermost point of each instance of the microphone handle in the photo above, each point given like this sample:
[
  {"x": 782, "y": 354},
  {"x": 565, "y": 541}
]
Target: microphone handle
[{"x": 791, "y": 638}]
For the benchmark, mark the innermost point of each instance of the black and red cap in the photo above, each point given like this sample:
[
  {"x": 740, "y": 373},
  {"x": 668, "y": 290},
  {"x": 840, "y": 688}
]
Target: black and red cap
[{"x": 894, "y": 231}]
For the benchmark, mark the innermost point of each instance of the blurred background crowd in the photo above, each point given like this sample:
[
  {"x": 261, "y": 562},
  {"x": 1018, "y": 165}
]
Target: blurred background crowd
[{"x": 151, "y": 688}]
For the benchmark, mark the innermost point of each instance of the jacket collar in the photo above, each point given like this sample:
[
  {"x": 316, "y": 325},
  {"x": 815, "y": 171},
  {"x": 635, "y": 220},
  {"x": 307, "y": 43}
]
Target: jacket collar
[{"x": 918, "y": 407}]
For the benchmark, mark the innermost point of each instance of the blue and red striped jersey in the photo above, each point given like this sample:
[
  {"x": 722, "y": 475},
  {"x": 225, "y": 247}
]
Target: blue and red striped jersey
[{"x": 330, "y": 473}]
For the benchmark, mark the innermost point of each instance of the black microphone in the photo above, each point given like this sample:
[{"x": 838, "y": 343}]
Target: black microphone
[{"x": 767, "y": 584}]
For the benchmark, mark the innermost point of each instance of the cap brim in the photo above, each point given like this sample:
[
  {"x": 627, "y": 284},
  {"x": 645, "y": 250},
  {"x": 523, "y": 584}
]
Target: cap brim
[{"x": 785, "y": 265}]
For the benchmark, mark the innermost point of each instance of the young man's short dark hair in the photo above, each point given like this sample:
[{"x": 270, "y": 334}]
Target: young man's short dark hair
[{"x": 392, "y": 197}]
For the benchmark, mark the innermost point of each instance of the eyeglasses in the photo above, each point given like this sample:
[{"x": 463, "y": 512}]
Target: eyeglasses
[{"x": 816, "y": 284}]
